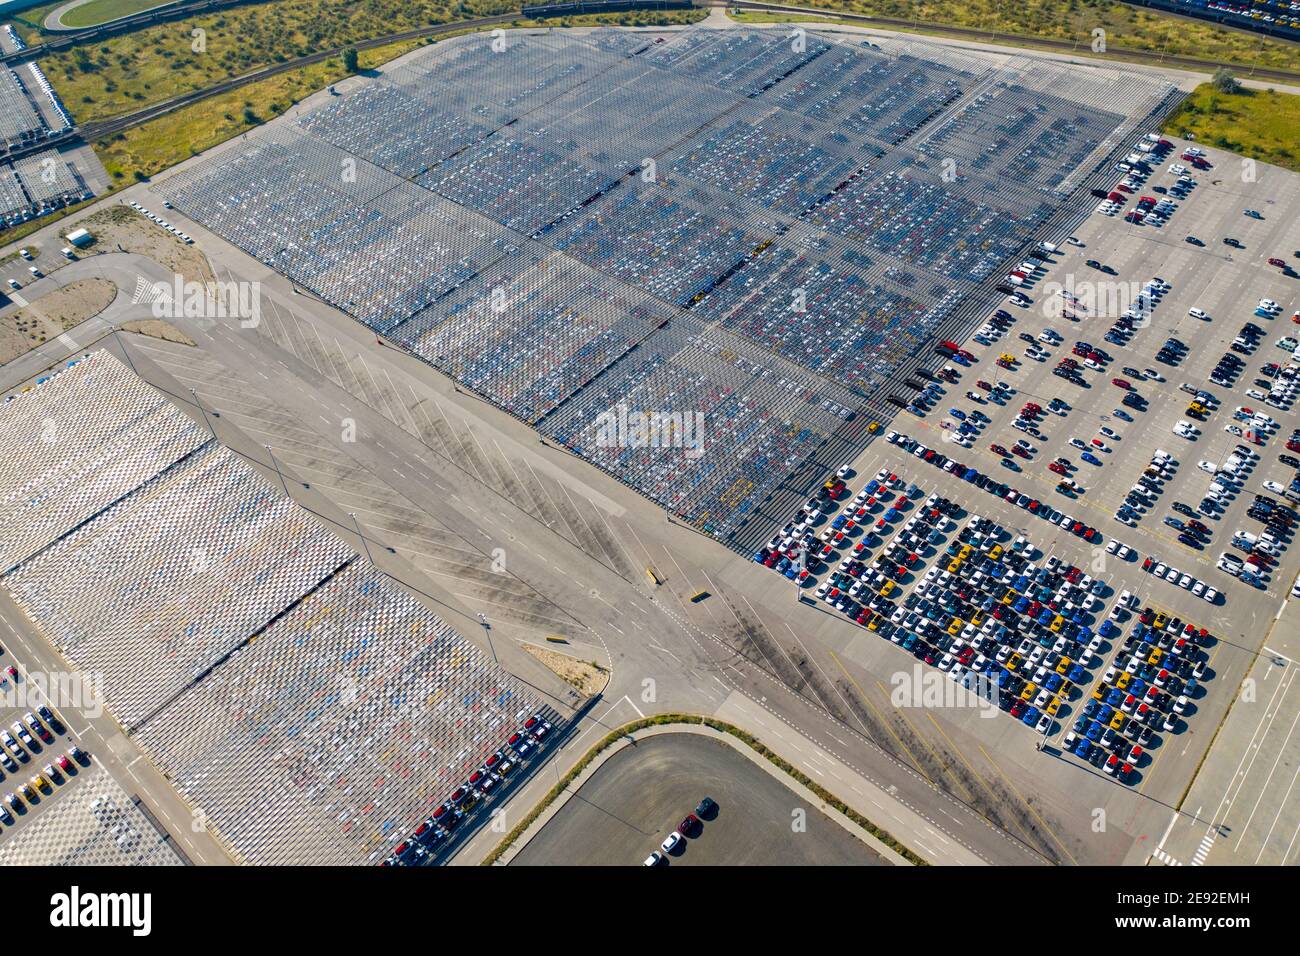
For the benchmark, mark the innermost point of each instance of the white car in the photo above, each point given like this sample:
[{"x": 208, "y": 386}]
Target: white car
[
  {"x": 1211, "y": 595},
  {"x": 1172, "y": 575},
  {"x": 1208, "y": 467},
  {"x": 1274, "y": 487},
  {"x": 1197, "y": 313},
  {"x": 1177, "y": 169},
  {"x": 1185, "y": 582},
  {"x": 14, "y": 284},
  {"x": 674, "y": 840},
  {"x": 653, "y": 859}
]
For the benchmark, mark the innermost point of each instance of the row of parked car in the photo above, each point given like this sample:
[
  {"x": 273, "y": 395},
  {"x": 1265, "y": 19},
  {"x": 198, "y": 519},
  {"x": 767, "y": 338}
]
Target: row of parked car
[
  {"x": 991, "y": 485},
  {"x": 1148, "y": 687},
  {"x": 985, "y": 608},
  {"x": 428, "y": 839}
]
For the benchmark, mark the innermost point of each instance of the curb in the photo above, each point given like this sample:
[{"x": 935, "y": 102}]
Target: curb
[{"x": 602, "y": 751}]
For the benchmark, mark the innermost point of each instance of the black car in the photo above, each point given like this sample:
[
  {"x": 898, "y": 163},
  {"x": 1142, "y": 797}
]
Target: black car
[
  {"x": 1289, "y": 461},
  {"x": 1093, "y": 264},
  {"x": 1194, "y": 241},
  {"x": 1233, "y": 242}
]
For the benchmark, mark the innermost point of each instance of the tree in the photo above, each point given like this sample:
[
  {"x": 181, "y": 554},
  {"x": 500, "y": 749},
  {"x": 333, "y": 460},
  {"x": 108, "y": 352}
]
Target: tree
[
  {"x": 350, "y": 59},
  {"x": 1224, "y": 81}
]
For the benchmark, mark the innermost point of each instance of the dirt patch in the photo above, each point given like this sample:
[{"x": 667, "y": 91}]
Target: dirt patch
[
  {"x": 122, "y": 229},
  {"x": 587, "y": 676},
  {"x": 53, "y": 314},
  {"x": 157, "y": 329}
]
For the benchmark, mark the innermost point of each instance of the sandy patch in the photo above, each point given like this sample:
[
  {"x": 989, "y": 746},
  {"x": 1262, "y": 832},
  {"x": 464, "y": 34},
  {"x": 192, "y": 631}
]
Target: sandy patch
[
  {"x": 587, "y": 676},
  {"x": 157, "y": 329},
  {"x": 122, "y": 229},
  {"x": 53, "y": 314}
]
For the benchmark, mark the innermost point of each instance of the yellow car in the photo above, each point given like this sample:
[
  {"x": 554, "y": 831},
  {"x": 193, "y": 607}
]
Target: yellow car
[
  {"x": 1009, "y": 598},
  {"x": 955, "y": 628},
  {"x": 1053, "y": 706},
  {"x": 1029, "y": 690},
  {"x": 1063, "y": 667},
  {"x": 27, "y": 791},
  {"x": 1117, "y": 721},
  {"x": 874, "y": 623},
  {"x": 1161, "y": 620},
  {"x": 1014, "y": 662},
  {"x": 40, "y": 783},
  {"x": 887, "y": 588},
  {"x": 1099, "y": 692},
  {"x": 1057, "y": 623},
  {"x": 1122, "y": 681},
  {"x": 1155, "y": 656},
  {"x": 953, "y": 565},
  {"x": 995, "y": 552},
  {"x": 873, "y": 427}
]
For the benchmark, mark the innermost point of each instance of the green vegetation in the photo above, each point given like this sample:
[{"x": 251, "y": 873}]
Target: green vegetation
[
  {"x": 123, "y": 74},
  {"x": 149, "y": 149},
  {"x": 1126, "y": 27},
  {"x": 27, "y": 24},
  {"x": 1261, "y": 124},
  {"x": 350, "y": 60},
  {"x": 1224, "y": 81},
  {"x": 746, "y": 738},
  {"x": 95, "y": 12}
]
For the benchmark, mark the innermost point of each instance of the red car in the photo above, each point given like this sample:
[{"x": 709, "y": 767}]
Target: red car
[
  {"x": 998, "y": 450},
  {"x": 984, "y": 385},
  {"x": 1277, "y": 262},
  {"x": 1122, "y": 383},
  {"x": 1017, "y": 450},
  {"x": 1059, "y": 469}
]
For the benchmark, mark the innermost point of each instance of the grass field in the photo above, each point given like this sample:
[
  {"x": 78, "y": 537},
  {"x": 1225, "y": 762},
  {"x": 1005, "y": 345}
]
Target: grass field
[
  {"x": 1261, "y": 124},
  {"x": 1125, "y": 26},
  {"x": 149, "y": 149},
  {"x": 95, "y": 12},
  {"x": 125, "y": 73}
]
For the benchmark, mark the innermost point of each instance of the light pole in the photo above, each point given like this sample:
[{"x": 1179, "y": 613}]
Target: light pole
[
  {"x": 276, "y": 466},
  {"x": 364, "y": 545},
  {"x": 487, "y": 633},
  {"x": 203, "y": 412},
  {"x": 125, "y": 354}
]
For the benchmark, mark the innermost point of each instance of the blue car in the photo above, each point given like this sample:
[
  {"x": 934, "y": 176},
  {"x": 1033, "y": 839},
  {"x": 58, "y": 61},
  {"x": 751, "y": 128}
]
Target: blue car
[
  {"x": 1090, "y": 707},
  {"x": 958, "y": 414},
  {"x": 1053, "y": 682},
  {"x": 1083, "y": 748},
  {"x": 1094, "y": 731},
  {"x": 1077, "y": 675},
  {"x": 839, "y": 522},
  {"x": 1090, "y": 458},
  {"x": 1030, "y": 716}
]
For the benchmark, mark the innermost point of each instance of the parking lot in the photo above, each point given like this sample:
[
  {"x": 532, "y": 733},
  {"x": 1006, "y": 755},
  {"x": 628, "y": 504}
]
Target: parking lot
[
  {"x": 632, "y": 803},
  {"x": 1081, "y": 448},
  {"x": 39, "y": 757}
]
